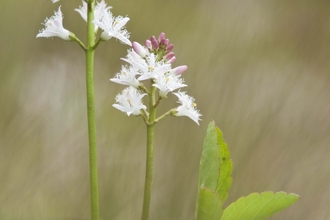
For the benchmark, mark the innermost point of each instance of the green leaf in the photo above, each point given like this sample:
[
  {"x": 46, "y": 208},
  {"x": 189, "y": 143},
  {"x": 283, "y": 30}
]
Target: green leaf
[
  {"x": 209, "y": 205},
  {"x": 209, "y": 170},
  {"x": 258, "y": 206},
  {"x": 226, "y": 167},
  {"x": 214, "y": 175}
]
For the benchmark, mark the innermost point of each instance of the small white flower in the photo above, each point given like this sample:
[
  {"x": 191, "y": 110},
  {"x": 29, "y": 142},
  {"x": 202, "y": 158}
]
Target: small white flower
[
  {"x": 54, "y": 1},
  {"x": 82, "y": 10},
  {"x": 134, "y": 59},
  {"x": 99, "y": 11},
  {"x": 127, "y": 77},
  {"x": 168, "y": 83},
  {"x": 152, "y": 68},
  {"x": 54, "y": 27},
  {"x": 130, "y": 101},
  {"x": 113, "y": 27},
  {"x": 187, "y": 107}
]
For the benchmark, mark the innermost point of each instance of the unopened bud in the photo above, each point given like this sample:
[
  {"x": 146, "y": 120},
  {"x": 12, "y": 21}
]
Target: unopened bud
[
  {"x": 169, "y": 56},
  {"x": 172, "y": 60},
  {"x": 139, "y": 49},
  {"x": 169, "y": 47},
  {"x": 148, "y": 44},
  {"x": 161, "y": 37},
  {"x": 154, "y": 43},
  {"x": 180, "y": 69}
]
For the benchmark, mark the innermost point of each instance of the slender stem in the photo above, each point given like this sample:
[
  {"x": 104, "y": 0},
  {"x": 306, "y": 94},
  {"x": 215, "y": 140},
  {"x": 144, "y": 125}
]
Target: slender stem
[
  {"x": 170, "y": 112},
  {"x": 91, "y": 112},
  {"x": 81, "y": 44},
  {"x": 150, "y": 154},
  {"x": 97, "y": 43}
]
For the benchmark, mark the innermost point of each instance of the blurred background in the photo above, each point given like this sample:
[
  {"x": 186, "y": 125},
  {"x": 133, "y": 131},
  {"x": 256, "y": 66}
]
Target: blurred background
[{"x": 260, "y": 69}]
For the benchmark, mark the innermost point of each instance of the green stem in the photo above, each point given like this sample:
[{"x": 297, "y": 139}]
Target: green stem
[
  {"x": 74, "y": 38},
  {"x": 91, "y": 112},
  {"x": 170, "y": 112},
  {"x": 150, "y": 154}
]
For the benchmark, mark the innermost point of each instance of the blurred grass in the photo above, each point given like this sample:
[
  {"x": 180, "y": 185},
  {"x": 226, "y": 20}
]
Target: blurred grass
[{"x": 260, "y": 69}]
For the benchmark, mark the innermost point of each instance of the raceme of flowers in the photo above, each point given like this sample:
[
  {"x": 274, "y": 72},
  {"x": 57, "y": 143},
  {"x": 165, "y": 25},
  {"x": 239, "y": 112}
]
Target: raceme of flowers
[
  {"x": 111, "y": 26},
  {"x": 152, "y": 62}
]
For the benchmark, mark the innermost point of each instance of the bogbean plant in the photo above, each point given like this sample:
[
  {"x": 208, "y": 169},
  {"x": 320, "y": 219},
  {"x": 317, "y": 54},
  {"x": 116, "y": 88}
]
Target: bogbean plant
[{"x": 148, "y": 74}]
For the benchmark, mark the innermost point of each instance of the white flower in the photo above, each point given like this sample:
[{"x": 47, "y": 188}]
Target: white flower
[
  {"x": 130, "y": 101},
  {"x": 54, "y": 1},
  {"x": 113, "y": 27},
  {"x": 134, "y": 59},
  {"x": 187, "y": 107},
  {"x": 168, "y": 83},
  {"x": 152, "y": 68},
  {"x": 54, "y": 27},
  {"x": 126, "y": 77},
  {"x": 99, "y": 11}
]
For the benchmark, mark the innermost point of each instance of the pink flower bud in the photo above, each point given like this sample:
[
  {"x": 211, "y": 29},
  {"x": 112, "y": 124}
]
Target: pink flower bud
[
  {"x": 139, "y": 49},
  {"x": 169, "y": 47},
  {"x": 172, "y": 60},
  {"x": 161, "y": 37},
  {"x": 148, "y": 44},
  {"x": 169, "y": 56},
  {"x": 154, "y": 43},
  {"x": 180, "y": 69}
]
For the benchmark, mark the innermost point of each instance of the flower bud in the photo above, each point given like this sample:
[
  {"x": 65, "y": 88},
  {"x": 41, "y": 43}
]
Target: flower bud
[
  {"x": 161, "y": 37},
  {"x": 154, "y": 43},
  {"x": 172, "y": 60},
  {"x": 169, "y": 56},
  {"x": 180, "y": 69},
  {"x": 138, "y": 48},
  {"x": 169, "y": 47},
  {"x": 148, "y": 44}
]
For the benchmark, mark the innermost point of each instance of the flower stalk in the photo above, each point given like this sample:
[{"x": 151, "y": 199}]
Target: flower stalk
[
  {"x": 91, "y": 111},
  {"x": 150, "y": 154},
  {"x": 98, "y": 16}
]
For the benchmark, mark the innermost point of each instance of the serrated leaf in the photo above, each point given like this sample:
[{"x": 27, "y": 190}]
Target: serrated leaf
[
  {"x": 226, "y": 167},
  {"x": 258, "y": 206},
  {"x": 209, "y": 205},
  {"x": 210, "y": 162}
]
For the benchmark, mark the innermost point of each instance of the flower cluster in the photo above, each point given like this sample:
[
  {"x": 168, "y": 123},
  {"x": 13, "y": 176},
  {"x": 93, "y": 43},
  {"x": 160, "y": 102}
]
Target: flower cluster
[
  {"x": 111, "y": 26},
  {"x": 152, "y": 62}
]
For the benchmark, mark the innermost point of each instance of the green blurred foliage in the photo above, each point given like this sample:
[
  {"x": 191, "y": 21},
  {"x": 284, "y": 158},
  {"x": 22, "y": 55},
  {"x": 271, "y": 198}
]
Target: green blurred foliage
[{"x": 260, "y": 69}]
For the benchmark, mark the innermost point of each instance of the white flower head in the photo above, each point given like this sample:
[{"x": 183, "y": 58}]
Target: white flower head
[
  {"x": 54, "y": 27},
  {"x": 168, "y": 83},
  {"x": 130, "y": 101},
  {"x": 187, "y": 107},
  {"x": 54, "y": 1},
  {"x": 127, "y": 77},
  {"x": 152, "y": 68},
  {"x": 99, "y": 11},
  {"x": 113, "y": 27}
]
